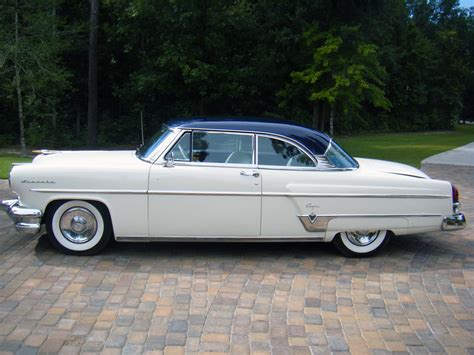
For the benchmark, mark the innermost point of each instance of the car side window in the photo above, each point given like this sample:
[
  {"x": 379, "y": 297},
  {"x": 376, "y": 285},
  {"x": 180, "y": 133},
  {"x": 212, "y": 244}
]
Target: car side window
[
  {"x": 225, "y": 148},
  {"x": 182, "y": 149},
  {"x": 275, "y": 152}
]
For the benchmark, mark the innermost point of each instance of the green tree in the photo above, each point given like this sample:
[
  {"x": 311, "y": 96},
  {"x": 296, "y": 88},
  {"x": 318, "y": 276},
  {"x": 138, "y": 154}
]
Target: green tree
[
  {"x": 233, "y": 57},
  {"x": 92, "y": 82},
  {"x": 343, "y": 74},
  {"x": 30, "y": 59}
]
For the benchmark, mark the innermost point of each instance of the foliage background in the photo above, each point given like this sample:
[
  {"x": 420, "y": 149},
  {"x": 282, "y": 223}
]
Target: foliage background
[{"x": 233, "y": 57}]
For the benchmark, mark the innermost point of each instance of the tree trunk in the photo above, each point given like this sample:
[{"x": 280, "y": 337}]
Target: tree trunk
[
  {"x": 316, "y": 114},
  {"x": 323, "y": 114},
  {"x": 19, "y": 95},
  {"x": 54, "y": 119},
  {"x": 78, "y": 123},
  {"x": 203, "y": 9},
  {"x": 77, "y": 109},
  {"x": 54, "y": 113},
  {"x": 92, "y": 102},
  {"x": 201, "y": 106},
  {"x": 331, "y": 121}
]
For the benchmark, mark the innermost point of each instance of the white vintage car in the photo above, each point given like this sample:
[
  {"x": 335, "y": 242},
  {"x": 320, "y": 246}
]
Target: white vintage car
[{"x": 207, "y": 179}]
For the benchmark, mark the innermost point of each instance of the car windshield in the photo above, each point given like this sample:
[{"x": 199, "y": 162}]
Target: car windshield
[
  {"x": 152, "y": 143},
  {"x": 338, "y": 158}
]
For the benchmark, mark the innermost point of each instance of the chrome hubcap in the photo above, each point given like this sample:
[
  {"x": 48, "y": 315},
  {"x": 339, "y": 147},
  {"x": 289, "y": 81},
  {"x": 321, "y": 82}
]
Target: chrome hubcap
[
  {"x": 78, "y": 225},
  {"x": 362, "y": 238}
]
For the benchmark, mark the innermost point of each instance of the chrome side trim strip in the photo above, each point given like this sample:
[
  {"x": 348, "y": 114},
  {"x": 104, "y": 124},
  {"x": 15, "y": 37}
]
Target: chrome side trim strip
[
  {"x": 85, "y": 191},
  {"x": 231, "y": 193},
  {"x": 319, "y": 223},
  {"x": 204, "y": 193},
  {"x": 297, "y": 194},
  {"x": 220, "y": 239}
]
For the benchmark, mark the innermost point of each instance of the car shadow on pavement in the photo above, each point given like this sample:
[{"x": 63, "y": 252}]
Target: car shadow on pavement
[
  {"x": 204, "y": 249},
  {"x": 404, "y": 251}
]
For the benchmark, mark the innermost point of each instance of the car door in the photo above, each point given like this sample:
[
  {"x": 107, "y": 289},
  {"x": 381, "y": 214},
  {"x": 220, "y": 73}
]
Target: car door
[
  {"x": 288, "y": 174},
  {"x": 209, "y": 186}
]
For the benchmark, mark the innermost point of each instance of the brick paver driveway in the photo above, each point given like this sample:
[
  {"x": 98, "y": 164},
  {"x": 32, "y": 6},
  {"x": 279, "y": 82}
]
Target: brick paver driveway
[{"x": 417, "y": 296}]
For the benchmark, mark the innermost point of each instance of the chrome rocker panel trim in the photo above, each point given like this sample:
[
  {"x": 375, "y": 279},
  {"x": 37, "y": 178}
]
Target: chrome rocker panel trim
[
  {"x": 27, "y": 221},
  {"x": 226, "y": 239},
  {"x": 455, "y": 222},
  {"x": 319, "y": 223}
]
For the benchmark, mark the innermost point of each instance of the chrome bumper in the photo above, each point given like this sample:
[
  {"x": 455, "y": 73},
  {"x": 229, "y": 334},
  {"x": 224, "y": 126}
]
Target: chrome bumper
[
  {"x": 27, "y": 220},
  {"x": 455, "y": 222}
]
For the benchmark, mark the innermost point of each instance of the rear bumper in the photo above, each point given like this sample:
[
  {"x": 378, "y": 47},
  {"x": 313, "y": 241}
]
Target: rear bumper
[
  {"x": 27, "y": 221},
  {"x": 455, "y": 222}
]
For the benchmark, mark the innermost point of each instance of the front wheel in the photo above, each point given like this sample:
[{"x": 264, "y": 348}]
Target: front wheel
[
  {"x": 78, "y": 227},
  {"x": 361, "y": 243}
]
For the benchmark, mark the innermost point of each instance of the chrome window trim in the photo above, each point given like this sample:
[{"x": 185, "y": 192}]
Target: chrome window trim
[
  {"x": 339, "y": 169},
  {"x": 328, "y": 147},
  {"x": 177, "y": 141},
  {"x": 158, "y": 152},
  {"x": 197, "y": 163},
  {"x": 160, "y": 160},
  {"x": 297, "y": 145},
  {"x": 157, "y": 157},
  {"x": 213, "y": 165},
  {"x": 255, "y": 150}
]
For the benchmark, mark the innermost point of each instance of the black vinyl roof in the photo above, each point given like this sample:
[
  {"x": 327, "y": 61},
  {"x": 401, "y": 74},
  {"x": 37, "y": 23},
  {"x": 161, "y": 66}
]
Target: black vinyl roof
[{"x": 314, "y": 141}]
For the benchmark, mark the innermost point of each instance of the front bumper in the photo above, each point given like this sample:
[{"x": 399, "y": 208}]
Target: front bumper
[
  {"x": 455, "y": 222},
  {"x": 27, "y": 221}
]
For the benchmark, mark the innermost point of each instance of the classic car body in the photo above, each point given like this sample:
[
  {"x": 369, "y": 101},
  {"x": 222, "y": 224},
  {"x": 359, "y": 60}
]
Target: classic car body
[{"x": 228, "y": 179}]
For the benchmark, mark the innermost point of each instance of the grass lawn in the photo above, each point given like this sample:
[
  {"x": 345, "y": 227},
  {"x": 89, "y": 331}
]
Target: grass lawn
[
  {"x": 6, "y": 161},
  {"x": 407, "y": 148}
]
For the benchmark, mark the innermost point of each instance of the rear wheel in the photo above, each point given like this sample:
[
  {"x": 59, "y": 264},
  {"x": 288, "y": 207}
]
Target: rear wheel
[
  {"x": 361, "y": 243},
  {"x": 78, "y": 227}
]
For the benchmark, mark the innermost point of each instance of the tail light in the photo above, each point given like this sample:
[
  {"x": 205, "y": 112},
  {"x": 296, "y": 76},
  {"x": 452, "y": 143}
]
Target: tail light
[{"x": 455, "y": 193}]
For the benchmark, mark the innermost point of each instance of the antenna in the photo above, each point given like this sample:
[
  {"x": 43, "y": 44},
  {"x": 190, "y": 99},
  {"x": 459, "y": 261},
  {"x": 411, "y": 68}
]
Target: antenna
[{"x": 141, "y": 127}]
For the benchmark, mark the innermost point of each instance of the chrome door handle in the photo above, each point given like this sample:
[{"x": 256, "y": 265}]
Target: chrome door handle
[{"x": 250, "y": 173}]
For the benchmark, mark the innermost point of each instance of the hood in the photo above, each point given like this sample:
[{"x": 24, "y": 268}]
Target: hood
[
  {"x": 77, "y": 158},
  {"x": 390, "y": 168}
]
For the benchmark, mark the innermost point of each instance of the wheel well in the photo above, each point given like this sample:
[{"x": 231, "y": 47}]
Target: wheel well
[
  {"x": 339, "y": 234},
  {"x": 51, "y": 205}
]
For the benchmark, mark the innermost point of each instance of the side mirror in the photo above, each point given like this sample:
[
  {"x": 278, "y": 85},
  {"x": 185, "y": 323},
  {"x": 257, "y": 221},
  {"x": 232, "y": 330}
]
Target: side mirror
[{"x": 169, "y": 160}]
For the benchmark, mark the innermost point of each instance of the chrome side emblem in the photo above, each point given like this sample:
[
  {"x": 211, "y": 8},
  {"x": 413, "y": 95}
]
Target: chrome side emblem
[
  {"x": 312, "y": 206},
  {"x": 312, "y": 217},
  {"x": 313, "y": 223},
  {"x": 37, "y": 182}
]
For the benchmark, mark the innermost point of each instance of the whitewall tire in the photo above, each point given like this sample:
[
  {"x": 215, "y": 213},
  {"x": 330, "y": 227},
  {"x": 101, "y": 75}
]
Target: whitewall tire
[
  {"x": 78, "y": 227},
  {"x": 361, "y": 243}
]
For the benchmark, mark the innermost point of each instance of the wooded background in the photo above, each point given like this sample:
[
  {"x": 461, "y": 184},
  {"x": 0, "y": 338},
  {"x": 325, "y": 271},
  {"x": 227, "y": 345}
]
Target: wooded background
[{"x": 343, "y": 66}]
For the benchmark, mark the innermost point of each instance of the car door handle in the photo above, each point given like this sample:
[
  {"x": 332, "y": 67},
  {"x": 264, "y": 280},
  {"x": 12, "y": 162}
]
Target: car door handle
[{"x": 250, "y": 173}]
